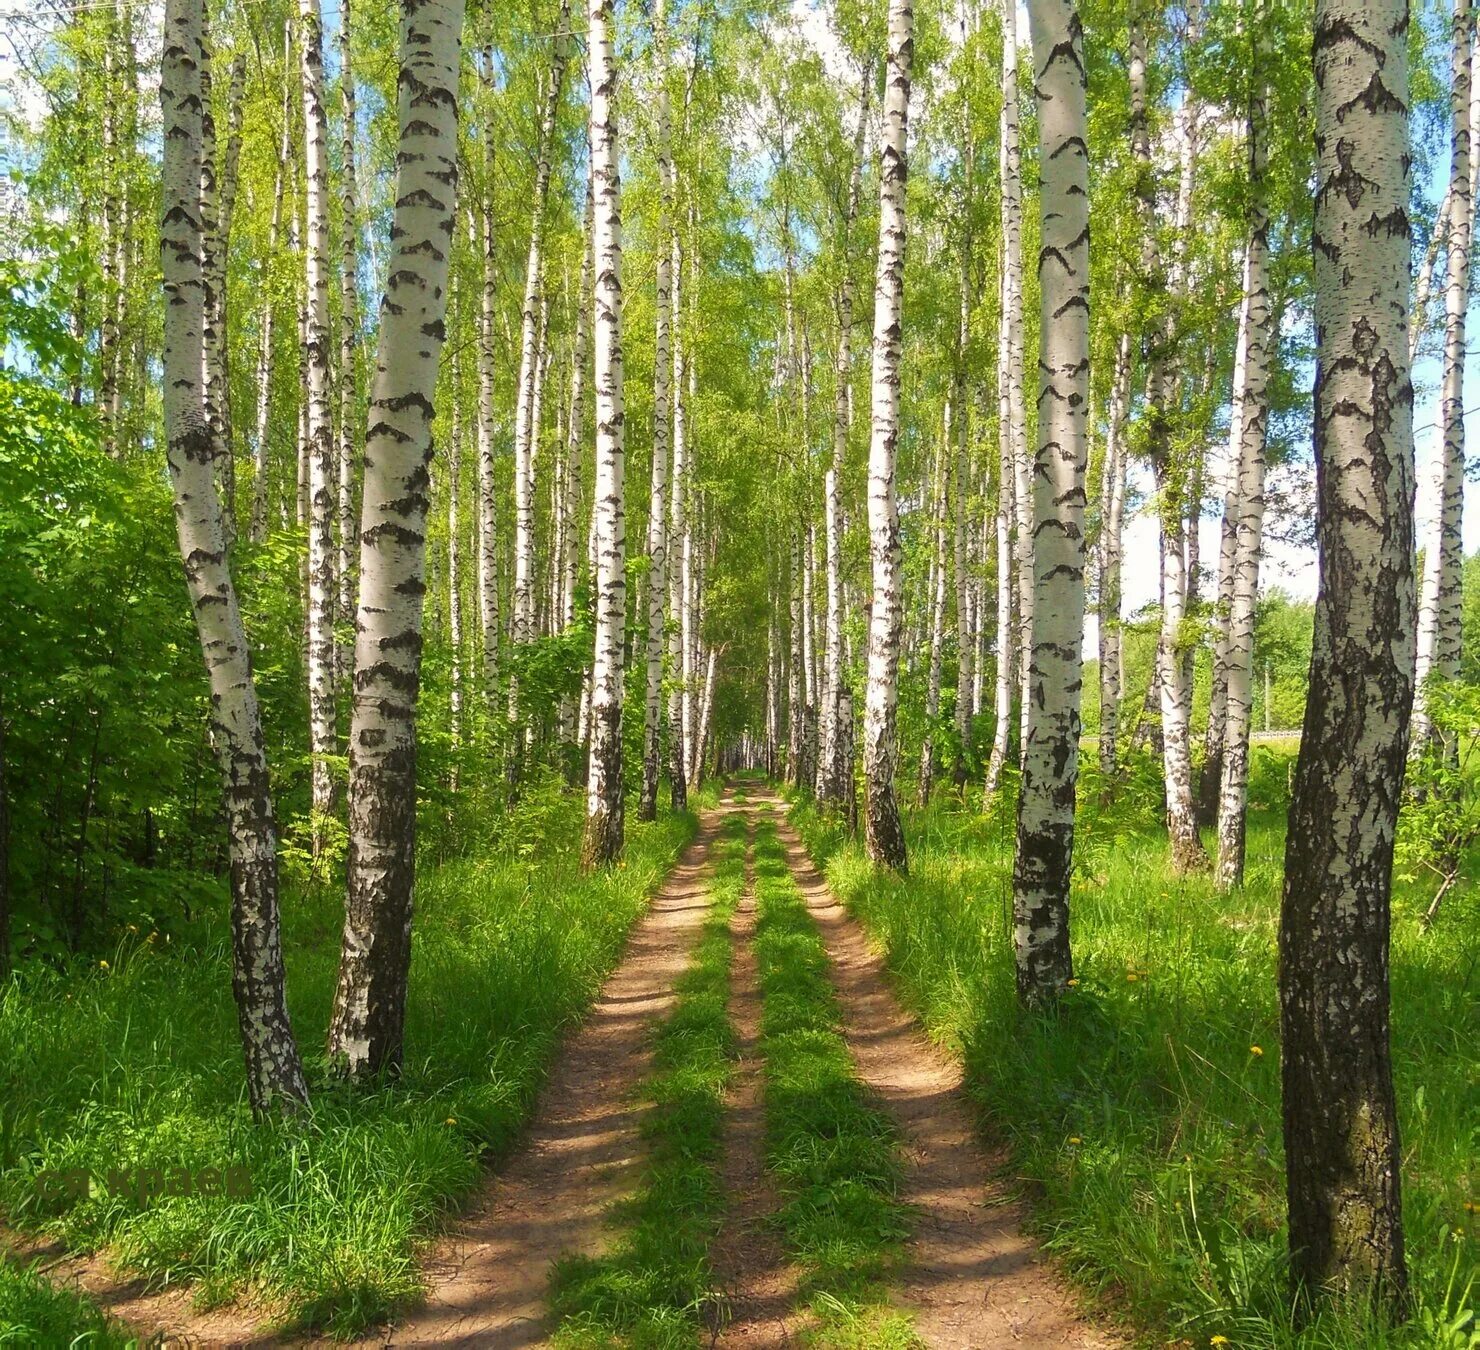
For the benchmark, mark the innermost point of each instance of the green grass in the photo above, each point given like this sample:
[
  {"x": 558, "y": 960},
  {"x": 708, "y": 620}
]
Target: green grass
[
  {"x": 137, "y": 1064},
  {"x": 834, "y": 1156},
  {"x": 656, "y": 1286},
  {"x": 1145, "y": 1114},
  {"x": 34, "y": 1312}
]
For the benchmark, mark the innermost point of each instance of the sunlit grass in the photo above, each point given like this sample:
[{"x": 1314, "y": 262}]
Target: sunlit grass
[
  {"x": 138, "y": 1064},
  {"x": 1145, "y": 1114},
  {"x": 833, "y": 1153},
  {"x": 655, "y": 1287}
]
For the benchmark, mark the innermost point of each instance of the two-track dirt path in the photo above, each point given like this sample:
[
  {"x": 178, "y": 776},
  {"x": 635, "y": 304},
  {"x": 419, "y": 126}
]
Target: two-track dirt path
[
  {"x": 972, "y": 1277},
  {"x": 972, "y": 1280}
]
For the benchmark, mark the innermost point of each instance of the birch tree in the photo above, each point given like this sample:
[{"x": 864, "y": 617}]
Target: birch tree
[
  {"x": 488, "y": 597},
  {"x": 1176, "y": 692},
  {"x": 349, "y": 323},
  {"x": 1045, "y": 824},
  {"x": 368, "y": 1022},
  {"x": 1112, "y": 520},
  {"x": 1342, "y": 1150},
  {"x": 1249, "y": 425},
  {"x": 274, "y": 1071},
  {"x": 657, "y": 536},
  {"x": 604, "y": 802},
  {"x": 322, "y": 594},
  {"x": 884, "y": 833},
  {"x": 526, "y": 427},
  {"x": 1442, "y": 595}
]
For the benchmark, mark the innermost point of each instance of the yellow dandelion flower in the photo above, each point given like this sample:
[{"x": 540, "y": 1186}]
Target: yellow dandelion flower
[
  {"x": 1075, "y": 1139},
  {"x": 103, "y": 965},
  {"x": 1219, "y": 1340},
  {"x": 451, "y": 1120},
  {"x": 1257, "y": 1051},
  {"x": 1131, "y": 977},
  {"x": 1471, "y": 1207}
]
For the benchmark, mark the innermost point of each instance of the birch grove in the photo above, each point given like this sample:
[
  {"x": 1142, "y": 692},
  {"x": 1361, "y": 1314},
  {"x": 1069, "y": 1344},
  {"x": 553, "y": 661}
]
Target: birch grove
[{"x": 1144, "y": 581}]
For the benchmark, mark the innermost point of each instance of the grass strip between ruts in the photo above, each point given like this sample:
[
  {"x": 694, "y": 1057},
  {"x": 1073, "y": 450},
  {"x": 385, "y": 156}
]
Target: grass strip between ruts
[
  {"x": 655, "y": 1287},
  {"x": 835, "y": 1157}
]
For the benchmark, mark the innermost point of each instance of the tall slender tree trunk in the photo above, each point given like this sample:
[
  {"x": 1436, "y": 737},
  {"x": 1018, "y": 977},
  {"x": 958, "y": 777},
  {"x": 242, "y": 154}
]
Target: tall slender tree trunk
[
  {"x": 349, "y": 328},
  {"x": 525, "y": 424},
  {"x": 1442, "y": 596},
  {"x": 1176, "y": 692},
  {"x": 884, "y": 834},
  {"x": 454, "y": 556},
  {"x": 1010, "y": 160},
  {"x": 1112, "y": 499},
  {"x": 488, "y": 551},
  {"x": 1342, "y": 1152},
  {"x": 1007, "y": 663},
  {"x": 274, "y": 1070},
  {"x": 261, "y": 457},
  {"x": 830, "y": 779},
  {"x": 961, "y": 548},
  {"x": 926, "y": 782},
  {"x": 575, "y": 430},
  {"x": 604, "y": 802},
  {"x": 1045, "y": 833},
  {"x": 114, "y": 184},
  {"x": 657, "y": 535},
  {"x": 367, "y": 1027},
  {"x": 1250, "y": 429},
  {"x": 322, "y": 595},
  {"x": 677, "y": 542}
]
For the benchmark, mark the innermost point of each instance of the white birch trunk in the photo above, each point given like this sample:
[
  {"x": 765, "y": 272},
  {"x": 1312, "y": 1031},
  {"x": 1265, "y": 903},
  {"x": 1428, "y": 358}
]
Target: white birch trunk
[
  {"x": 1250, "y": 431},
  {"x": 366, "y": 1030},
  {"x": 1342, "y": 1152},
  {"x": 604, "y": 801},
  {"x": 488, "y": 597},
  {"x": 260, "y": 447},
  {"x": 349, "y": 321},
  {"x": 526, "y": 425},
  {"x": 1008, "y": 528},
  {"x": 1012, "y": 318},
  {"x": 884, "y": 835},
  {"x": 1045, "y": 833},
  {"x": 657, "y": 535},
  {"x": 274, "y": 1070},
  {"x": 1441, "y": 601},
  {"x": 1111, "y": 529},
  {"x": 323, "y": 739},
  {"x": 1176, "y": 693},
  {"x": 926, "y": 781}
]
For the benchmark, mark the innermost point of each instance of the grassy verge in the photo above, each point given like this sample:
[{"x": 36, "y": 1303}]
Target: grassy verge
[
  {"x": 135, "y": 1065},
  {"x": 656, "y": 1286},
  {"x": 833, "y": 1155},
  {"x": 1146, "y": 1113},
  {"x": 34, "y": 1312}
]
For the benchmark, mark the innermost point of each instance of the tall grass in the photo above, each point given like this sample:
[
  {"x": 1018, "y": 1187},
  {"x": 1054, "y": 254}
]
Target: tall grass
[
  {"x": 135, "y": 1063},
  {"x": 834, "y": 1155},
  {"x": 1145, "y": 1114},
  {"x": 656, "y": 1286}
]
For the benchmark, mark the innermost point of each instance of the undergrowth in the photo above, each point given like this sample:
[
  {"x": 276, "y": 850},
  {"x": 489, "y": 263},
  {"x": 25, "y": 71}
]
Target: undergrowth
[
  {"x": 656, "y": 1286},
  {"x": 1145, "y": 1114},
  {"x": 135, "y": 1064},
  {"x": 834, "y": 1155}
]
